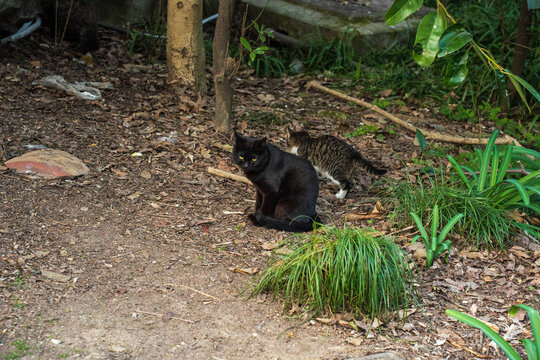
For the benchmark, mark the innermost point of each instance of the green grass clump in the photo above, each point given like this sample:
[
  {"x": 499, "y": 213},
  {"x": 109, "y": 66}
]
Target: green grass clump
[{"x": 341, "y": 269}]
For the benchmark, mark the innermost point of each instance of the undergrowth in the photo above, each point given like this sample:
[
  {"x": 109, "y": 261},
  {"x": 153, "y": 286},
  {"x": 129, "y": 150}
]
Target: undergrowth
[{"x": 340, "y": 269}]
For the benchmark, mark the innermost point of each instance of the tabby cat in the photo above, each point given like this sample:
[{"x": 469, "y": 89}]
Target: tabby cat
[
  {"x": 333, "y": 158},
  {"x": 286, "y": 185}
]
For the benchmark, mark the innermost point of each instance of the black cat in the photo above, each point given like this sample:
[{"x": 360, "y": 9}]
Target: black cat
[{"x": 287, "y": 185}]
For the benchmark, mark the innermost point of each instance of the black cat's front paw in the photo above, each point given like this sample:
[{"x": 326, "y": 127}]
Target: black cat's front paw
[{"x": 254, "y": 219}]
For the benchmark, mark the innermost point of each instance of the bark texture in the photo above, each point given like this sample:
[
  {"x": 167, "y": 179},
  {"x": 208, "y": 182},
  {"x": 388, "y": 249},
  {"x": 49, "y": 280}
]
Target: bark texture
[
  {"x": 224, "y": 67},
  {"x": 185, "y": 43}
]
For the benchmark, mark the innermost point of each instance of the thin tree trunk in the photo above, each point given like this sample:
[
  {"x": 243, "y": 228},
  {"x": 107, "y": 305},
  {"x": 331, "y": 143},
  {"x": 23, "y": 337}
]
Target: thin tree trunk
[
  {"x": 185, "y": 43},
  {"x": 223, "y": 66},
  {"x": 521, "y": 51}
]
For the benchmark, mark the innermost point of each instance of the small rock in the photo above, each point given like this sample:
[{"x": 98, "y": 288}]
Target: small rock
[
  {"x": 84, "y": 209},
  {"x": 379, "y": 356},
  {"x": 117, "y": 348},
  {"x": 56, "y": 341},
  {"x": 355, "y": 341},
  {"x": 48, "y": 163},
  {"x": 145, "y": 174}
]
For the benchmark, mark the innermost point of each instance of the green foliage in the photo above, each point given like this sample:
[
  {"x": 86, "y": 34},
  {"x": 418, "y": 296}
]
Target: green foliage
[
  {"x": 265, "y": 118},
  {"x": 454, "y": 38},
  {"x": 21, "y": 349},
  {"x": 492, "y": 181},
  {"x": 421, "y": 140},
  {"x": 436, "y": 243},
  {"x": 382, "y": 103},
  {"x": 150, "y": 40},
  {"x": 532, "y": 347},
  {"x": 362, "y": 130},
  {"x": 336, "y": 56},
  {"x": 341, "y": 269}
]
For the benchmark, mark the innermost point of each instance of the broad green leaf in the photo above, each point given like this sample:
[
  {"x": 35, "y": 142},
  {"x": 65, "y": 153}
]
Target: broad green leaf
[
  {"x": 246, "y": 43},
  {"x": 497, "y": 339},
  {"x": 456, "y": 167},
  {"x": 442, "y": 248},
  {"x": 534, "y": 317},
  {"x": 456, "y": 70},
  {"x": 449, "y": 226},
  {"x": 530, "y": 348},
  {"x": 485, "y": 161},
  {"x": 428, "y": 34},
  {"x": 453, "y": 39},
  {"x": 400, "y": 10},
  {"x": 434, "y": 223},
  {"x": 421, "y": 140},
  {"x": 420, "y": 226},
  {"x": 494, "y": 166},
  {"x": 505, "y": 163}
]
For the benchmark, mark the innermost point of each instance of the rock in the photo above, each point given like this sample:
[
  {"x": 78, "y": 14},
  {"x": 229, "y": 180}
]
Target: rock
[
  {"x": 55, "y": 276},
  {"x": 48, "y": 163}
]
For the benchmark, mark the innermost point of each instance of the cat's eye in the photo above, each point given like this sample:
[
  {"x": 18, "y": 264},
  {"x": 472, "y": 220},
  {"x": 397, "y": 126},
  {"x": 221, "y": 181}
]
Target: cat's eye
[
  {"x": 254, "y": 159},
  {"x": 241, "y": 157}
]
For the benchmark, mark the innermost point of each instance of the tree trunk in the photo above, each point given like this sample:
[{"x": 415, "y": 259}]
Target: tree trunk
[
  {"x": 223, "y": 67},
  {"x": 520, "y": 51},
  {"x": 185, "y": 43}
]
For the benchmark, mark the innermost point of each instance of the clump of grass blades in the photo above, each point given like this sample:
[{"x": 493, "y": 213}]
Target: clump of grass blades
[{"x": 341, "y": 269}]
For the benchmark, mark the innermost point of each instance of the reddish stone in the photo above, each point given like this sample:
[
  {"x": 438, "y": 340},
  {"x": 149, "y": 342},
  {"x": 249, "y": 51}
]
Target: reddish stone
[{"x": 48, "y": 163}]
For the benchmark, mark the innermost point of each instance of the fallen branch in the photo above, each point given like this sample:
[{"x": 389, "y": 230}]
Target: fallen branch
[
  {"x": 372, "y": 216},
  {"x": 228, "y": 175},
  {"x": 427, "y": 133}
]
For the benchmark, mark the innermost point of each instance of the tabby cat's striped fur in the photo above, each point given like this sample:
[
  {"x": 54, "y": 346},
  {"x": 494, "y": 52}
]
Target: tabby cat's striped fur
[{"x": 331, "y": 157}]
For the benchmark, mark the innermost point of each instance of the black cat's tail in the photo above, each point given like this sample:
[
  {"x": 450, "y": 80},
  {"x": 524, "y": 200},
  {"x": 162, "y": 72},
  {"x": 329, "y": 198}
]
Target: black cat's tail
[
  {"x": 367, "y": 165},
  {"x": 300, "y": 224}
]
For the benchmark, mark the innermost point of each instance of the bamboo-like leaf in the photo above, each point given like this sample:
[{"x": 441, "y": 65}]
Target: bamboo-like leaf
[
  {"x": 429, "y": 31},
  {"x": 455, "y": 71},
  {"x": 400, "y": 10},
  {"x": 534, "y": 317},
  {"x": 449, "y": 226},
  {"x": 517, "y": 86},
  {"x": 453, "y": 39},
  {"x": 497, "y": 339},
  {"x": 527, "y": 86},
  {"x": 485, "y": 161},
  {"x": 456, "y": 167}
]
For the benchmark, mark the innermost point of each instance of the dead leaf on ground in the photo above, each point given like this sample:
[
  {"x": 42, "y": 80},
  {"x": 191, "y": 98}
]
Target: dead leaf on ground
[
  {"x": 269, "y": 245},
  {"x": 145, "y": 174},
  {"x": 245, "y": 271}
]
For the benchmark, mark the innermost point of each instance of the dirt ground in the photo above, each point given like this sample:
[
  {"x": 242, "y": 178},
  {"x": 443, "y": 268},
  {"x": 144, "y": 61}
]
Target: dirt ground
[{"x": 146, "y": 257}]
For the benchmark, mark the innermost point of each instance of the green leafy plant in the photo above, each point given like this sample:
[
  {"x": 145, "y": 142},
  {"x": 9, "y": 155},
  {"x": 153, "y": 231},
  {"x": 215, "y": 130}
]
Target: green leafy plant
[
  {"x": 254, "y": 50},
  {"x": 341, "y": 269},
  {"x": 21, "y": 349},
  {"x": 532, "y": 347},
  {"x": 439, "y": 35},
  {"x": 436, "y": 243},
  {"x": 492, "y": 182}
]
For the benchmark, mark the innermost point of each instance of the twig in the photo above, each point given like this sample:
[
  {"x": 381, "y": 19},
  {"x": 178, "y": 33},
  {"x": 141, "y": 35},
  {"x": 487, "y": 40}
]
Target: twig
[
  {"x": 200, "y": 292},
  {"x": 427, "y": 133},
  {"x": 400, "y": 230},
  {"x": 228, "y": 175},
  {"x": 458, "y": 345},
  {"x": 161, "y": 316},
  {"x": 354, "y": 216}
]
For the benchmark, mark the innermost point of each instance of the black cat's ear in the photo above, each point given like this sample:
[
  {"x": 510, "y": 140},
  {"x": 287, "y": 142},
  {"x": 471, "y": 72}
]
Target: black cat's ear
[
  {"x": 238, "y": 137},
  {"x": 260, "y": 144}
]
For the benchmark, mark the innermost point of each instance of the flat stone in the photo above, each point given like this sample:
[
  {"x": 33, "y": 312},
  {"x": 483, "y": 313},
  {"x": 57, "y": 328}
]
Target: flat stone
[
  {"x": 48, "y": 163},
  {"x": 328, "y": 18},
  {"x": 55, "y": 276}
]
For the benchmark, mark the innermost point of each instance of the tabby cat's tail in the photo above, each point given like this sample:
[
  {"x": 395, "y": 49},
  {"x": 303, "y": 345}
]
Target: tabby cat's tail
[
  {"x": 368, "y": 165},
  {"x": 300, "y": 224}
]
